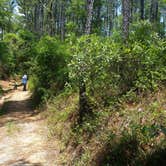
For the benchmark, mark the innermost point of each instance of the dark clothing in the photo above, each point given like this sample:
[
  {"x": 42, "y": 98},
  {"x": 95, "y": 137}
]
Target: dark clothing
[
  {"x": 24, "y": 82},
  {"x": 24, "y": 87}
]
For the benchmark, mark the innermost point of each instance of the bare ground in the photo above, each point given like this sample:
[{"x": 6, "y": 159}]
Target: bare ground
[{"x": 23, "y": 133}]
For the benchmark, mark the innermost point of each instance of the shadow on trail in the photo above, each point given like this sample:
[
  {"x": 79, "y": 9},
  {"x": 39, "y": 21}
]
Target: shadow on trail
[
  {"x": 23, "y": 106},
  {"x": 23, "y": 162},
  {"x": 16, "y": 111},
  {"x": 7, "y": 90}
]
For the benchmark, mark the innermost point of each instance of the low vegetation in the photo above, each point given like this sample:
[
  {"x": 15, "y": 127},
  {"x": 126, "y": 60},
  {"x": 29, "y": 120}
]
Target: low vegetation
[
  {"x": 124, "y": 133},
  {"x": 98, "y": 70}
]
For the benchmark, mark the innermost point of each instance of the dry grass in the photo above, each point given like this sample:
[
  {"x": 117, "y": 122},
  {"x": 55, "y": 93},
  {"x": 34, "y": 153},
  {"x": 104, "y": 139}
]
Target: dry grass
[{"x": 125, "y": 135}]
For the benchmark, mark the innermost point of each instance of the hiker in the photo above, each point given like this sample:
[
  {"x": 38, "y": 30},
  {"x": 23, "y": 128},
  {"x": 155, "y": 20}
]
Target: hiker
[{"x": 24, "y": 81}]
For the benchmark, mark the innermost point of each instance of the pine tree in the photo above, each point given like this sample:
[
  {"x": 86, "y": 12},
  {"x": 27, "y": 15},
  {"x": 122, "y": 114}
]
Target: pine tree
[
  {"x": 142, "y": 5},
  {"x": 126, "y": 18}
]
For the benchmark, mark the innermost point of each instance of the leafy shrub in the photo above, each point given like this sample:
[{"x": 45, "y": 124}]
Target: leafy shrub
[
  {"x": 50, "y": 68},
  {"x": 110, "y": 68},
  {"x": 21, "y": 51},
  {"x": 5, "y": 59}
]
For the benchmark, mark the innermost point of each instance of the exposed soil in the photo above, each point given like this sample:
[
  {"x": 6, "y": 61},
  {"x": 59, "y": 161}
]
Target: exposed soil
[{"x": 23, "y": 132}]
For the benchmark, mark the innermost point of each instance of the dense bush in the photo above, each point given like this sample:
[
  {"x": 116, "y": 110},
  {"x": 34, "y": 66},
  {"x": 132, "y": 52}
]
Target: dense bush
[
  {"x": 21, "y": 47},
  {"x": 13, "y": 42},
  {"x": 110, "y": 68},
  {"x": 49, "y": 72},
  {"x": 5, "y": 60}
]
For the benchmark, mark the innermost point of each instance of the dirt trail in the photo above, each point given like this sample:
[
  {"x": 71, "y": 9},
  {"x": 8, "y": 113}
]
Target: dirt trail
[{"x": 23, "y": 133}]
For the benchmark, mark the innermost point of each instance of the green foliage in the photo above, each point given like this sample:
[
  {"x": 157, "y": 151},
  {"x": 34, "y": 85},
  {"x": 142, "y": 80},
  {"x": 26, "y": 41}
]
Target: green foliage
[
  {"x": 91, "y": 61},
  {"x": 27, "y": 52},
  {"x": 76, "y": 9},
  {"x": 17, "y": 53},
  {"x": 13, "y": 42},
  {"x": 61, "y": 114},
  {"x": 151, "y": 50},
  {"x": 5, "y": 59},
  {"x": 4, "y": 51},
  {"x": 133, "y": 135},
  {"x": 5, "y": 16},
  {"x": 142, "y": 32},
  {"x": 109, "y": 67},
  {"x": 20, "y": 51},
  {"x": 50, "y": 67}
]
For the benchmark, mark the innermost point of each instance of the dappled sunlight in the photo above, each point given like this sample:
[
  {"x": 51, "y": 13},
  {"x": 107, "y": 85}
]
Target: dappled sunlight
[
  {"x": 23, "y": 132},
  {"x": 82, "y": 83}
]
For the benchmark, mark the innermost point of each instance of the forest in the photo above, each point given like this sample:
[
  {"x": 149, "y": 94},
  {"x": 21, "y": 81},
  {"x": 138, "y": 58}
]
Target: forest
[{"x": 96, "y": 75}]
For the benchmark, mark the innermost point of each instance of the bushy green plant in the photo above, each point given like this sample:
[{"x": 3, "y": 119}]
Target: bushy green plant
[
  {"x": 91, "y": 62},
  {"x": 5, "y": 60},
  {"x": 21, "y": 51},
  {"x": 4, "y": 51},
  {"x": 109, "y": 67},
  {"x": 50, "y": 68}
]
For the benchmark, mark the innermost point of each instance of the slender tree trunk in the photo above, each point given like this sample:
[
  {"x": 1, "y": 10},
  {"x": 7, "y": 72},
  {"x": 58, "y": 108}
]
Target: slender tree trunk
[
  {"x": 56, "y": 17},
  {"x": 107, "y": 18},
  {"x": 112, "y": 7},
  {"x": 38, "y": 18},
  {"x": 42, "y": 19},
  {"x": 63, "y": 21},
  {"x": 126, "y": 18},
  {"x": 51, "y": 20},
  {"x": 59, "y": 19},
  {"x": 35, "y": 18},
  {"x": 131, "y": 10},
  {"x": 154, "y": 11},
  {"x": 116, "y": 21},
  {"x": 98, "y": 22},
  {"x": 89, "y": 16},
  {"x": 142, "y": 9}
]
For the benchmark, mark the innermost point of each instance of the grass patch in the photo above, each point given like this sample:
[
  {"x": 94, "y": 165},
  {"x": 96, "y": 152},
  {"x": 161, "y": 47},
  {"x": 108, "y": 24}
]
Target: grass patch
[{"x": 61, "y": 114}]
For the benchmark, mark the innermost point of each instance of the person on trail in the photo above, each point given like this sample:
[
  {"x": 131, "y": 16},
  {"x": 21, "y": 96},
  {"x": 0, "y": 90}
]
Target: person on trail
[{"x": 24, "y": 81}]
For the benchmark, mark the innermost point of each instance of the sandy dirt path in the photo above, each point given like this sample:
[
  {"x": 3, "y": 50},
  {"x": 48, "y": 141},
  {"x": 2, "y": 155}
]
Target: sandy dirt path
[{"x": 23, "y": 133}]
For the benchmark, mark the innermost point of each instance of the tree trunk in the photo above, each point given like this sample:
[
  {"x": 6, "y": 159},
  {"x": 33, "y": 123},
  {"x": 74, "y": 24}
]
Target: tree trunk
[
  {"x": 142, "y": 9},
  {"x": 98, "y": 17},
  {"x": 112, "y": 15},
  {"x": 35, "y": 19},
  {"x": 62, "y": 21},
  {"x": 131, "y": 10},
  {"x": 154, "y": 11},
  {"x": 126, "y": 18},
  {"x": 89, "y": 16}
]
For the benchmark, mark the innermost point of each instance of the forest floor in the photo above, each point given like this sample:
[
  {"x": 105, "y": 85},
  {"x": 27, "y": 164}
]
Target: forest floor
[{"x": 23, "y": 132}]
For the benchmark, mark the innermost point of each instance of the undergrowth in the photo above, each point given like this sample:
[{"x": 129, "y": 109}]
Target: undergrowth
[{"x": 129, "y": 131}]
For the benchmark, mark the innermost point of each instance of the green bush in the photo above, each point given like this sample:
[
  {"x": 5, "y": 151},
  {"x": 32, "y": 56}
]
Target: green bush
[
  {"x": 5, "y": 60},
  {"x": 50, "y": 67},
  {"x": 111, "y": 68},
  {"x": 21, "y": 51}
]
